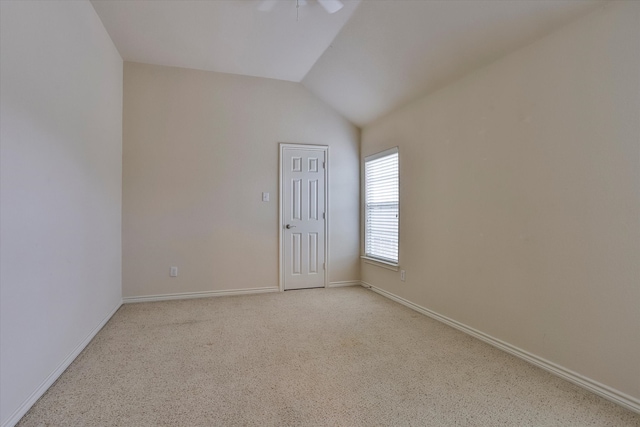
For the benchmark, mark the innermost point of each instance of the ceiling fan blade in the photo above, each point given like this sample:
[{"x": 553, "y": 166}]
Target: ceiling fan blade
[
  {"x": 331, "y": 6},
  {"x": 266, "y": 5}
]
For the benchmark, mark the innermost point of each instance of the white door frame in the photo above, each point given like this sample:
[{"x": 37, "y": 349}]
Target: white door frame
[{"x": 325, "y": 149}]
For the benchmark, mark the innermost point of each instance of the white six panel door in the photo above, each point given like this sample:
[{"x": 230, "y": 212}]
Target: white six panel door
[{"x": 303, "y": 218}]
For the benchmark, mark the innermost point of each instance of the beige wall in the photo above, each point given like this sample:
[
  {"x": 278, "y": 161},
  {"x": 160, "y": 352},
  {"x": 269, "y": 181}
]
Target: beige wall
[
  {"x": 199, "y": 150},
  {"x": 520, "y": 198},
  {"x": 61, "y": 191}
]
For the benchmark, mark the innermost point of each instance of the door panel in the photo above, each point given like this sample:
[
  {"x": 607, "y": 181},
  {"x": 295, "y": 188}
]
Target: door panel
[
  {"x": 303, "y": 228},
  {"x": 296, "y": 199}
]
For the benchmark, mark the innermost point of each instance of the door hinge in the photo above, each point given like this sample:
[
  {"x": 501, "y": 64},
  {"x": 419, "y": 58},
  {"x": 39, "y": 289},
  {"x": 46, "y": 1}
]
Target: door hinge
[
  {"x": 323, "y": 215},
  {"x": 322, "y": 165}
]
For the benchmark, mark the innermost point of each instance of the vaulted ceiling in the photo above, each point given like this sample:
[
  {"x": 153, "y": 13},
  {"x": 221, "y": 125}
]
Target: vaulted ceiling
[
  {"x": 228, "y": 36},
  {"x": 365, "y": 60}
]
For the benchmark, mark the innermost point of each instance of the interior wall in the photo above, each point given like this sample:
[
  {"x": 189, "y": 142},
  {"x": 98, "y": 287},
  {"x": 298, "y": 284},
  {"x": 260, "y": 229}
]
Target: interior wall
[
  {"x": 61, "y": 187},
  {"x": 199, "y": 149},
  {"x": 520, "y": 198}
]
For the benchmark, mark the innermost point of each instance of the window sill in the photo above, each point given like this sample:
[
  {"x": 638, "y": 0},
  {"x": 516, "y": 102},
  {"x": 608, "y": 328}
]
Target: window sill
[{"x": 380, "y": 263}]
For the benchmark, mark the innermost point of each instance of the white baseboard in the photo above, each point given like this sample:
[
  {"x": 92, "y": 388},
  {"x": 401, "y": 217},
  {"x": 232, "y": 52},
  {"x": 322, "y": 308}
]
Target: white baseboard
[
  {"x": 206, "y": 294},
  {"x": 593, "y": 386},
  {"x": 44, "y": 386},
  {"x": 344, "y": 283}
]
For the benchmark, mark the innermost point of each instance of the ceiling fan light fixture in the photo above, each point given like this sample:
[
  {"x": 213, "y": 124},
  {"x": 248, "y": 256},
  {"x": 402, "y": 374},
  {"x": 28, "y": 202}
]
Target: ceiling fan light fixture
[{"x": 331, "y": 6}]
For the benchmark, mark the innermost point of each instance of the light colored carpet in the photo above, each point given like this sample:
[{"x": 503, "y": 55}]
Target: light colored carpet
[{"x": 343, "y": 357}]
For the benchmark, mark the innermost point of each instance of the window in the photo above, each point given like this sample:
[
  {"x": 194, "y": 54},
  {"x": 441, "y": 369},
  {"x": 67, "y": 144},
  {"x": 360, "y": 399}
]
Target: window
[{"x": 381, "y": 194}]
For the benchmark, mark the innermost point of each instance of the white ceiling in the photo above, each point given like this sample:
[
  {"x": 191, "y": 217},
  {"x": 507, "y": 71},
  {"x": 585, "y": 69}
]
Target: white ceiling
[
  {"x": 392, "y": 52},
  {"x": 364, "y": 61},
  {"x": 228, "y": 36}
]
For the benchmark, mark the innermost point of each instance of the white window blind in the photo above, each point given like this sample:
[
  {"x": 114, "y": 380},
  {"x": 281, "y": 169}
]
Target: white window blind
[{"x": 381, "y": 182}]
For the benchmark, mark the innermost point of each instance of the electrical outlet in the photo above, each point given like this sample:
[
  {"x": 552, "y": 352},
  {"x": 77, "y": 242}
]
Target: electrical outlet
[
  {"x": 402, "y": 275},
  {"x": 174, "y": 272}
]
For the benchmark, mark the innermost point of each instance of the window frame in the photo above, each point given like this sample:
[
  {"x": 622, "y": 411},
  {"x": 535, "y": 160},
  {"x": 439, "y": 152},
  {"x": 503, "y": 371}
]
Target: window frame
[{"x": 369, "y": 258}]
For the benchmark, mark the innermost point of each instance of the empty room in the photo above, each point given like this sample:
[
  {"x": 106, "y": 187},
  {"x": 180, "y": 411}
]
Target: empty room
[{"x": 319, "y": 213}]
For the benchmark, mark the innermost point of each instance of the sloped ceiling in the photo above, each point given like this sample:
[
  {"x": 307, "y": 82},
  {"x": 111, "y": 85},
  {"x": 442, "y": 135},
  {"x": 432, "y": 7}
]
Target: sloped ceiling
[
  {"x": 228, "y": 36},
  {"x": 392, "y": 52},
  {"x": 365, "y": 60}
]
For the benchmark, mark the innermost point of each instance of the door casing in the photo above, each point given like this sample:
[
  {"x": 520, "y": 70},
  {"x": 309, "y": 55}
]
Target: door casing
[{"x": 325, "y": 149}]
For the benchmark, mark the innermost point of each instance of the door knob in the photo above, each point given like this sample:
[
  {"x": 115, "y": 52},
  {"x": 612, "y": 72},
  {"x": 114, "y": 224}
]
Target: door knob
[{"x": 289, "y": 226}]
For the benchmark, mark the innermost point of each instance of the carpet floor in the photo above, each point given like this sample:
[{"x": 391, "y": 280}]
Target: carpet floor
[{"x": 325, "y": 357}]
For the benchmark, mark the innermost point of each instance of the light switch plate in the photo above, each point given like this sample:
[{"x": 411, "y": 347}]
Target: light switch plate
[
  {"x": 265, "y": 197},
  {"x": 174, "y": 272}
]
